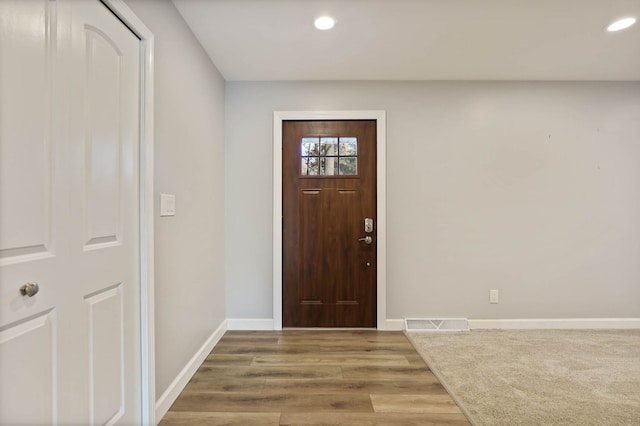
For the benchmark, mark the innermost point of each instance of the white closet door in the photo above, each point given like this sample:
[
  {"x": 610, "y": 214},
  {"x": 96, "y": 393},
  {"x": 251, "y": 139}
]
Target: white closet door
[{"x": 69, "y": 114}]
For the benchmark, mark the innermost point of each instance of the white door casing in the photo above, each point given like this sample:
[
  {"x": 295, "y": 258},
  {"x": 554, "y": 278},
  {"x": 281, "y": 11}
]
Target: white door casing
[
  {"x": 69, "y": 215},
  {"x": 381, "y": 197}
]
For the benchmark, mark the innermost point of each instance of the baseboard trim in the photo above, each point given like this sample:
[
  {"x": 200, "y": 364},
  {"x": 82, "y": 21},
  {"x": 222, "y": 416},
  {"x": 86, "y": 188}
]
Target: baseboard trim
[
  {"x": 477, "y": 324},
  {"x": 250, "y": 324},
  {"x": 550, "y": 324},
  {"x": 393, "y": 325},
  {"x": 173, "y": 391}
]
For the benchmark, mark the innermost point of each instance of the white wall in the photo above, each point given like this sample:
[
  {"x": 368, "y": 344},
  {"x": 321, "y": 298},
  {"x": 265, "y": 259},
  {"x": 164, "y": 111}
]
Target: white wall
[
  {"x": 531, "y": 188},
  {"x": 189, "y": 162}
]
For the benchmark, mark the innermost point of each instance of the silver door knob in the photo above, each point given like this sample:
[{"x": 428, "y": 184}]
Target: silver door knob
[
  {"x": 29, "y": 289},
  {"x": 367, "y": 239}
]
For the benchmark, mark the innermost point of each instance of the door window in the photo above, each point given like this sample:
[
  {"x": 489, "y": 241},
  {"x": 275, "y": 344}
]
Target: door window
[{"x": 329, "y": 156}]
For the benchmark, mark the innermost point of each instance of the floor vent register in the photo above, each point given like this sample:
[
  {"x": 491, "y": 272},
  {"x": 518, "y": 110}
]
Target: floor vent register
[{"x": 436, "y": 324}]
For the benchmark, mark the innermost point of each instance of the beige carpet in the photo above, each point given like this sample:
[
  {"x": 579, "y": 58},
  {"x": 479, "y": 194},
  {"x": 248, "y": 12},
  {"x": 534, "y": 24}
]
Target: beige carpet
[{"x": 538, "y": 377}]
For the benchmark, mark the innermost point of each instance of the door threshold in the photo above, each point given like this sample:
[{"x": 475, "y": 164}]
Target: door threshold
[{"x": 329, "y": 329}]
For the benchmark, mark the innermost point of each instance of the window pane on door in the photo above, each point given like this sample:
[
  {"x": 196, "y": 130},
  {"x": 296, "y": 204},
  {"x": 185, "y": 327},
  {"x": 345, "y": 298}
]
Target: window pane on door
[
  {"x": 348, "y": 146},
  {"x": 309, "y": 146},
  {"x": 348, "y": 166},
  {"x": 329, "y": 146},
  {"x": 329, "y": 166},
  {"x": 309, "y": 166}
]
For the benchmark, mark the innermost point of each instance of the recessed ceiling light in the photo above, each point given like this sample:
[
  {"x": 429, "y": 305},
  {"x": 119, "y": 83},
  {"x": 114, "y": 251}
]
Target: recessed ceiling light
[
  {"x": 621, "y": 24},
  {"x": 324, "y": 23}
]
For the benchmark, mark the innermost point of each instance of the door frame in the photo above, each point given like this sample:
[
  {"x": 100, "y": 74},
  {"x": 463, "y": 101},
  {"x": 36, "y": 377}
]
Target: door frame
[
  {"x": 146, "y": 212},
  {"x": 381, "y": 206}
]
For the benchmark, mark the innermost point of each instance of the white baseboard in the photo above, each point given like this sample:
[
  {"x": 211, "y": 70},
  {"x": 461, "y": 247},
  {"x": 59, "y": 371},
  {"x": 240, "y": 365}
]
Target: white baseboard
[
  {"x": 551, "y": 324},
  {"x": 173, "y": 391},
  {"x": 475, "y": 324},
  {"x": 393, "y": 325},
  {"x": 250, "y": 324}
]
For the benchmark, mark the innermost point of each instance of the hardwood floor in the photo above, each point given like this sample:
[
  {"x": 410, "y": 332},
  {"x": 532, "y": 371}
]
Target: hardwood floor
[{"x": 308, "y": 377}]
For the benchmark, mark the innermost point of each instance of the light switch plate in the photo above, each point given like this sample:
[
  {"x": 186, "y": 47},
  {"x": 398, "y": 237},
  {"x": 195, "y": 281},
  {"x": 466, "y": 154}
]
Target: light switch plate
[{"x": 167, "y": 205}]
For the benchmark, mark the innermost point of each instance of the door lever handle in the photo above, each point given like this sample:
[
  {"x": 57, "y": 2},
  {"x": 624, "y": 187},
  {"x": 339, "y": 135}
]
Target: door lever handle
[{"x": 367, "y": 239}]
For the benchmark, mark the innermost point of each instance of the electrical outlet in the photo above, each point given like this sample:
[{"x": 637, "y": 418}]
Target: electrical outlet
[{"x": 493, "y": 296}]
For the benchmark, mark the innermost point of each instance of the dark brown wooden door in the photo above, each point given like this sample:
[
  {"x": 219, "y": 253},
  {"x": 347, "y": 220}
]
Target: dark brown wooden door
[{"x": 329, "y": 189}]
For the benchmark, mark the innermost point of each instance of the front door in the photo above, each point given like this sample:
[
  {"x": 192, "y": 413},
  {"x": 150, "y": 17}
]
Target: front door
[
  {"x": 69, "y": 232},
  {"x": 329, "y": 223}
]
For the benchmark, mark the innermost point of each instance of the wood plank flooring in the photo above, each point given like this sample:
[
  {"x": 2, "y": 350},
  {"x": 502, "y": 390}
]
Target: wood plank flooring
[{"x": 309, "y": 377}]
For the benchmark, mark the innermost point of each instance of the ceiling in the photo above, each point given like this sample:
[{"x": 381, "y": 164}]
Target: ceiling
[{"x": 417, "y": 39}]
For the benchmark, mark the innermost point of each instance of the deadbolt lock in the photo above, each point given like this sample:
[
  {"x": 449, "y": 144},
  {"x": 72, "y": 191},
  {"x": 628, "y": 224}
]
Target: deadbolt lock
[{"x": 368, "y": 225}]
